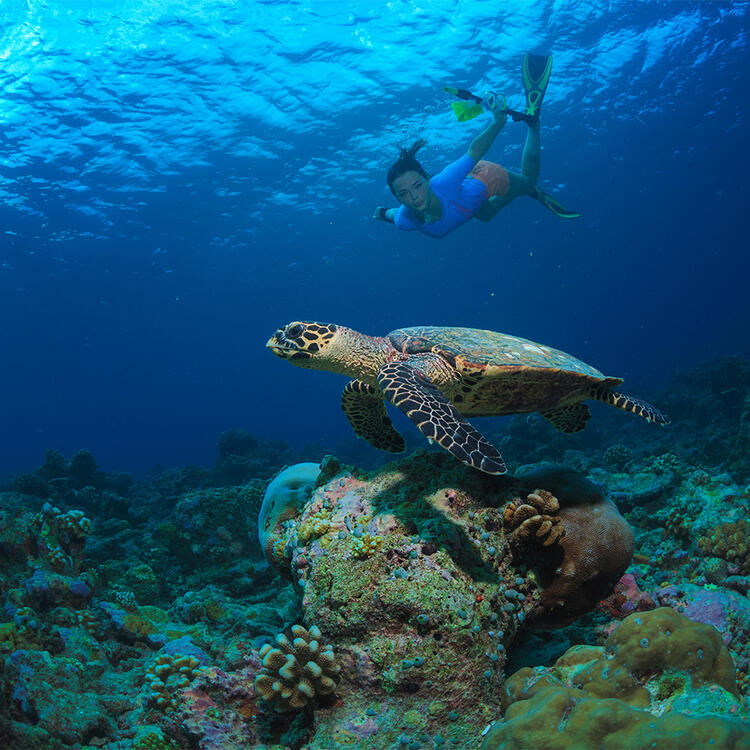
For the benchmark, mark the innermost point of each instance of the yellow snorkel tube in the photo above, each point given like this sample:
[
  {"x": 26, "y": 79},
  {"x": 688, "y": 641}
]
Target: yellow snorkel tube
[
  {"x": 469, "y": 108},
  {"x": 472, "y": 105}
]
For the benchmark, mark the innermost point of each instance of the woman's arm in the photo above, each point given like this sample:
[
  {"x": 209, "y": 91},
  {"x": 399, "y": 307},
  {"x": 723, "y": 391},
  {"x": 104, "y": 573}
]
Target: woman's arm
[{"x": 481, "y": 144}]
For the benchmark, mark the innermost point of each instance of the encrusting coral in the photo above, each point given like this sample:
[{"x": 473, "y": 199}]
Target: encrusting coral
[
  {"x": 295, "y": 672},
  {"x": 655, "y": 683},
  {"x": 536, "y": 518}
]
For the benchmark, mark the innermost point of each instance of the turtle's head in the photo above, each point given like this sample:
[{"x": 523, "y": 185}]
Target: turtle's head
[{"x": 305, "y": 344}]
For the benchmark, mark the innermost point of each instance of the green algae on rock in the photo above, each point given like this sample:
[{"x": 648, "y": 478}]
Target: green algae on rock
[{"x": 425, "y": 618}]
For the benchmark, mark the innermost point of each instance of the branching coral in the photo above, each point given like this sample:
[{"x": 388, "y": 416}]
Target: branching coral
[
  {"x": 534, "y": 518},
  {"x": 295, "y": 672},
  {"x": 168, "y": 674},
  {"x": 127, "y": 600},
  {"x": 366, "y": 545}
]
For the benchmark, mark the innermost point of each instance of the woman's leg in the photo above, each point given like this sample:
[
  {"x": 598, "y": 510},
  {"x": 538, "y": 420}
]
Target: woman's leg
[{"x": 520, "y": 184}]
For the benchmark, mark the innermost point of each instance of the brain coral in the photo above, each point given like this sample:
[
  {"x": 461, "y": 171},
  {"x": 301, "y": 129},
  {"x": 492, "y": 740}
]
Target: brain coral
[
  {"x": 297, "y": 671},
  {"x": 636, "y": 692},
  {"x": 587, "y": 558},
  {"x": 559, "y": 718}
]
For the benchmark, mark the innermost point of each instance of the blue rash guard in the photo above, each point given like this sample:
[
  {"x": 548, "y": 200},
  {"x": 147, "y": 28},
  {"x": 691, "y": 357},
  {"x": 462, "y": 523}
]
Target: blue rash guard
[{"x": 460, "y": 197}]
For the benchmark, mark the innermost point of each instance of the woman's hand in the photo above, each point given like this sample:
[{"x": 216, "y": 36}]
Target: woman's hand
[
  {"x": 498, "y": 108},
  {"x": 383, "y": 214}
]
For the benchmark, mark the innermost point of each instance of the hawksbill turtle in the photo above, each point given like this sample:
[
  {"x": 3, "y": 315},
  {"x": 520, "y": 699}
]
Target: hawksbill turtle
[{"x": 438, "y": 376}]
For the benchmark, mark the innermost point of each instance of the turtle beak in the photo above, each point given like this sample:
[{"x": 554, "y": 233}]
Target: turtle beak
[
  {"x": 274, "y": 345},
  {"x": 279, "y": 346}
]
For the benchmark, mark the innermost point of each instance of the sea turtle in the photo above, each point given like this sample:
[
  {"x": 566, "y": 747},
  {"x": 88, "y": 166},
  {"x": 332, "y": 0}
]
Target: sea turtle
[{"x": 437, "y": 376}]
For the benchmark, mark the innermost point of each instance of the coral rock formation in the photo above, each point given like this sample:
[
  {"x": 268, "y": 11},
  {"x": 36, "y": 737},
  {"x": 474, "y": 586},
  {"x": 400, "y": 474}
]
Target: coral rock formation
[
  {"x": 589, "y": 558},
  {"x": 413, "y": 576}
]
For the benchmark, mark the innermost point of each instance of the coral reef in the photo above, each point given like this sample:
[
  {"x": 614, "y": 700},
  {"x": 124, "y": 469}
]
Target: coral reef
[
  {"x": 284, "y": 498},
  {"x": 652, "y": 684},
  {"x": 414, "y": 578},
  {"x": 147, "y": 614}
]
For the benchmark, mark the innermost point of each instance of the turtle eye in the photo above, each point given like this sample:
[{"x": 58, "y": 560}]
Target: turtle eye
[{"x": 295, "y": 331}]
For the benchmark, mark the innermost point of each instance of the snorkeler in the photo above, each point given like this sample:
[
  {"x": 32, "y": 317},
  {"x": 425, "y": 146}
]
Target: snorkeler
[{"x": 472, "y": 187}]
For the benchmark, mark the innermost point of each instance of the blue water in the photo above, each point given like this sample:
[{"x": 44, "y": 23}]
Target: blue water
[{"x": 178, "y": 179}]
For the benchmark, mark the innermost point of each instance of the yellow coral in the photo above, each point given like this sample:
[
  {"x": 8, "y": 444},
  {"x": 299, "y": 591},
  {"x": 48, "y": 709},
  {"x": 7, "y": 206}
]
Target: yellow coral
[
  {"x": 536, "y": 518},
  {"x": 155, "y": 614},
  {"x": 313, "y": 527},
  {"x": 628, "y": 694},
  {"x": 366, "y": 545},
  {"x": 138, "y": 625}
]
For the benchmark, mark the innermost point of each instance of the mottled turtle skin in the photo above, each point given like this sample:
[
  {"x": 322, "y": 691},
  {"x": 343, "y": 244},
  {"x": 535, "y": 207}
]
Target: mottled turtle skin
[{"x": 439, "y": 375}]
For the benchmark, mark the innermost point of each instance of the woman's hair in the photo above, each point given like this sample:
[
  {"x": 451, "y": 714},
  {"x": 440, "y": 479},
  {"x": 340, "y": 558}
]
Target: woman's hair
[{"x": 406, "y": 162}]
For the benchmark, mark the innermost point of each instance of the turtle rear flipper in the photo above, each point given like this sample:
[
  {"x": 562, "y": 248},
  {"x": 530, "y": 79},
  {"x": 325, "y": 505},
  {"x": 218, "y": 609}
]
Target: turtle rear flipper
[
  {"x": 628, "y": 403},
  {"x": 570, "y": 418},
  {"x": 365, "y": 409},
  {"x": 436, "y": 418}
]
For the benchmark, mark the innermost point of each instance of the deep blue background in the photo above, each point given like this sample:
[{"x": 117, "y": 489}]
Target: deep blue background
[{"x": 150, "y": 242}]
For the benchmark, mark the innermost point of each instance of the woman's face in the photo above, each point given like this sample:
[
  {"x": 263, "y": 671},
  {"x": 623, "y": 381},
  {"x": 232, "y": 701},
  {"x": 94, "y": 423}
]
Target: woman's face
[{"x": 412, "y": 190}]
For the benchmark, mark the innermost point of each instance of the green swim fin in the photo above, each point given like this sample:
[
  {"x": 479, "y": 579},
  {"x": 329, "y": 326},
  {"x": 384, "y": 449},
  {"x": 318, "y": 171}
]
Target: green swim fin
[
  {"x": 536, "y": 71},
  {"x": 553, "y": 205}
]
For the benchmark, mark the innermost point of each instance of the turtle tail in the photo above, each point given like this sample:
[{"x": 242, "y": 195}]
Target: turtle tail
[{"x": 628, "y": 403}]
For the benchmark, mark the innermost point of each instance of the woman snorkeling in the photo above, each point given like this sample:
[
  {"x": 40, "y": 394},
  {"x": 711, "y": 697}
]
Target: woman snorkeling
[{"x": 472, "y": 187}]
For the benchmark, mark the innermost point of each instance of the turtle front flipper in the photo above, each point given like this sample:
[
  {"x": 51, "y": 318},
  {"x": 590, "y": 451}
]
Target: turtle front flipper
[
  {"x": 365, "y": 409},
  {"x": 436, "y": 418},
  {"x": 628, "y": 403}
]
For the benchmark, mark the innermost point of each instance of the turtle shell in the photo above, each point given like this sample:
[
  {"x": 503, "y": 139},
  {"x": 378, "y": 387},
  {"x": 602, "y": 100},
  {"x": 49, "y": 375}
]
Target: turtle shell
[{"x": 502, "y": 374}]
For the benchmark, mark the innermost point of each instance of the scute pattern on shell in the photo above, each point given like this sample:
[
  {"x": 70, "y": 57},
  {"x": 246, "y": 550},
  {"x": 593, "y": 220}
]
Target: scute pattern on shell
[
  {"x": 534, "y": 519},
  {"x": 492, "y": 348},
  {"x": 295, "y": 672}
]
